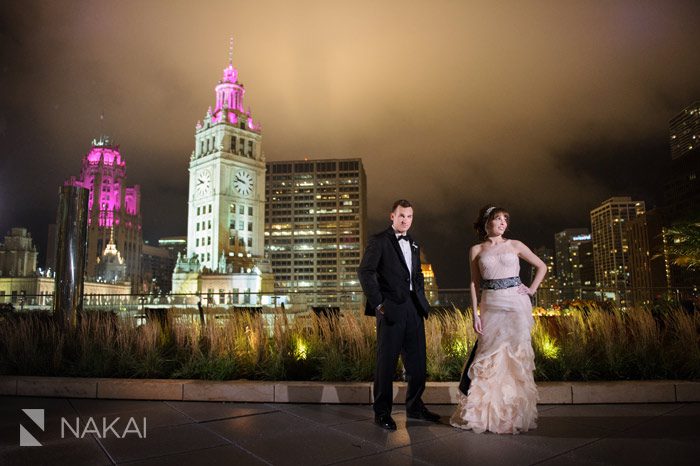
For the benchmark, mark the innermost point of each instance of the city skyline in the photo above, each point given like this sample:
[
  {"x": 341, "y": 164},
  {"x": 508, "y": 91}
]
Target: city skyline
[{"x": 547, "y": 111}]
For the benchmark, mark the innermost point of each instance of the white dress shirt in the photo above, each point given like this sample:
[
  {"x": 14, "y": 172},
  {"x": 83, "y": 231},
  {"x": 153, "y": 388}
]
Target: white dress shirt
[{"x": 406, "y": 250}]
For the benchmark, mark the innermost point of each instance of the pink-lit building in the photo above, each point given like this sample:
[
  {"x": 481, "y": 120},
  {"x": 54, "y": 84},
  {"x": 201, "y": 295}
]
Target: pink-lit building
[{"x": 113, "y": 206}]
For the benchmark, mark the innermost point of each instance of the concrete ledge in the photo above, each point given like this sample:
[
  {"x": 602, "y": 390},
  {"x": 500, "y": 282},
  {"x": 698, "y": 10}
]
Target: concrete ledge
[
  {"x": 62, "y": 387},
  {"x": 440, "y": 393},
  {"x": 205, "y": 390},
  {"x": 140, "y": 389},
  {"x": 663, "y": 391},
  {"x": 8, "y": 385},
  {"x": 313, "y": 392},
  {"x": 687, "y": 391},
  {"x": 624, "y": 392},
  {"x": 555, "y": 393}
]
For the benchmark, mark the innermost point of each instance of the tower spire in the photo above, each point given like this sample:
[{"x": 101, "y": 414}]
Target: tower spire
[{"x": 230, "y": 51}]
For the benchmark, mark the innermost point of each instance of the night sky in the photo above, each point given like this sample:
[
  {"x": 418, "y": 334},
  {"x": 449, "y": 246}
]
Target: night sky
[{"x": 547, "y": 108}]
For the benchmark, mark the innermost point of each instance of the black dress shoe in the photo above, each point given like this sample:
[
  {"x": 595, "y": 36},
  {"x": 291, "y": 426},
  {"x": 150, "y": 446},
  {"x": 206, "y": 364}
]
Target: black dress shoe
[
  {"x": 424, "y": 414},
  {"x": 385, "y": 421}
]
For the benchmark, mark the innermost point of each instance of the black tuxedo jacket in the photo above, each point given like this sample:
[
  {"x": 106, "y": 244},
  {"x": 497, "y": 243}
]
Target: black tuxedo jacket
[{"x": 385, "y": 279}]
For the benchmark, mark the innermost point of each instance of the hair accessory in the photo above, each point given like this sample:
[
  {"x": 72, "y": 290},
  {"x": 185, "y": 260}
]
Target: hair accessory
[{"x": 488, "y": 211}]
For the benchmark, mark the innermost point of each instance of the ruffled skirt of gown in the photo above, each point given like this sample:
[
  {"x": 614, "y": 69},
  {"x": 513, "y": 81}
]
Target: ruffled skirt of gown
[{"x": 503, "y": 396}]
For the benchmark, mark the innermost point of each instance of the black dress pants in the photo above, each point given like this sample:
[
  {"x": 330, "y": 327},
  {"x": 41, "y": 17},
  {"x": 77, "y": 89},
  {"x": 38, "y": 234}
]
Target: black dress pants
[{"x": 404, "y": 336}]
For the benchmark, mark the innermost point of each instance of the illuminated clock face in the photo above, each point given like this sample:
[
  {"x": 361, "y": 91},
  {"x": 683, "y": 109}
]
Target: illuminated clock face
[
  {"x": 243, "y": 183},
  {"x": 202, "y": 185}
]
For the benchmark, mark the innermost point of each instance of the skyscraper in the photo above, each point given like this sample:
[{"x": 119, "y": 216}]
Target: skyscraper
[
  {"x": 315, "y": 226},
  {"x": 570, "y": 261},
  {"x": 685, "y": 131},
  {"x": 610, "y": 246},
  {"x": 682, "y": 186},
  {"x": 649, "y": 263},
  {"x": 114, "y": 209},
  {"x": 682, "y": 190},
  {"x": 548, "y": 291}
]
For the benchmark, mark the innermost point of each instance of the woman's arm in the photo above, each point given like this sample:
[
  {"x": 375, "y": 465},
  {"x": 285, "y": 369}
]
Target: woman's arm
[
  {"x": 540, "y": 267},
  {"x": 474, "y": 283}
]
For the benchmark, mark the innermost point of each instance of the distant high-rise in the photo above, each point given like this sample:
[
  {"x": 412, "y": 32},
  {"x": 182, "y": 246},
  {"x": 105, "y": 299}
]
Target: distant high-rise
[
  {"x": 548, "y": 291},
  {"x": 315, "y": 226},
  {"x": 430, "y": 285},
  {"x": 649, "y": 264},
  {"x": 682, "y": 185},
  {"x": 157, "y": 265},
  {"x": 685, "y": 131},
  {"x": 610, "y": 246},
  {"x": 174, "y": 244},
  {"x": 114, "y": 208},
  {"x": 587, "y": 270},
  {"x": 571, "y": 261},
  {"x": 682, "y": 189}
]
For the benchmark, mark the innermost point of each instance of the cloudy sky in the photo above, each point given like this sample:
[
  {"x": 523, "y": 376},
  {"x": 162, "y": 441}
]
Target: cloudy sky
[{"x": 547, "y": 108}]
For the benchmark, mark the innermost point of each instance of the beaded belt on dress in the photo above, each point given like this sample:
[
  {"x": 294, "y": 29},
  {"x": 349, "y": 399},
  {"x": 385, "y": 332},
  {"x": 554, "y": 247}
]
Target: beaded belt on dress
[{"x": 500, "y": 283}]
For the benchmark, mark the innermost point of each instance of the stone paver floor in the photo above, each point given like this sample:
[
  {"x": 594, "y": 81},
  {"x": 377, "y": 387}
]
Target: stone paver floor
[{"x": 211, "y": 433}]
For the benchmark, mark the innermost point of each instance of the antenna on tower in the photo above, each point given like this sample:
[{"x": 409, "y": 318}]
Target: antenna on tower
[{"x": 230, "y": 50}]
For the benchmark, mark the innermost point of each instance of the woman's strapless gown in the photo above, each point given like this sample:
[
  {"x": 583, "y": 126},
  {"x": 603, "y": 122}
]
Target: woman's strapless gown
[{"x": 502, "y": 397}]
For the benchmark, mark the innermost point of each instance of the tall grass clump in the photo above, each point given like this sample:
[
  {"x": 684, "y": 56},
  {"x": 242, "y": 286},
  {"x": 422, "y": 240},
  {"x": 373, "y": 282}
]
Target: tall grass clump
[
  {"x": 449, "y": 339},
  {"x": 585, "y": 342},
  {"x": 598, "y": 344}
]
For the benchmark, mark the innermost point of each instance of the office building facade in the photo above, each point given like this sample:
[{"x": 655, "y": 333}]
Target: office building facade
[
  {"x": 682, "y": 186},
  {"x": 611, "y": 254},
  {"x": 684, "y": 131},
  {"x": 315, "y": 227},
  {"x": 572, "y": 264},
  {"x": 548, "y": 291},
  {"x": 649, "y": 263}
]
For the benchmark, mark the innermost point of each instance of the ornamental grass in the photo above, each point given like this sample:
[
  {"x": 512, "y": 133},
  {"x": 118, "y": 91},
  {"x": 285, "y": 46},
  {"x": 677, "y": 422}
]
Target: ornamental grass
[{"x": 582, "y": 343}]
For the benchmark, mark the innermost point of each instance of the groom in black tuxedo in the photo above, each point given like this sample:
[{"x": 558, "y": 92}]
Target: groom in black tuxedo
[{"x": 392, "y": 281}]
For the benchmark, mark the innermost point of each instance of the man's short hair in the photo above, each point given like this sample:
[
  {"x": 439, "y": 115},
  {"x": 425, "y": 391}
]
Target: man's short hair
[{"x": 401, "y": 203}]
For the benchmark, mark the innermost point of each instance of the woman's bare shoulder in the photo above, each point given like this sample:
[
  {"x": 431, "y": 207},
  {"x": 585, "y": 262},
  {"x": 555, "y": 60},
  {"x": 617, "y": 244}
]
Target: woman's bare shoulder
[
  {"x": 475, "y": 250},
  {"x": 519, "y": 247},
  {"x": 515, "y": 244}
]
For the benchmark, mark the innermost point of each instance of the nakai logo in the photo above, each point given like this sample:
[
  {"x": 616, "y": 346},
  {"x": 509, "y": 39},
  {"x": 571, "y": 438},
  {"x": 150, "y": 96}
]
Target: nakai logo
[
  {"x": 101, "y": 427},
  {"x": 25, "y": 438},
  {"x": 106, "y": 428}
]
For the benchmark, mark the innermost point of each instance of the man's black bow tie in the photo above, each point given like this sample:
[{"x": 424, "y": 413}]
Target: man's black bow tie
[{"x": 406, "y": 237}]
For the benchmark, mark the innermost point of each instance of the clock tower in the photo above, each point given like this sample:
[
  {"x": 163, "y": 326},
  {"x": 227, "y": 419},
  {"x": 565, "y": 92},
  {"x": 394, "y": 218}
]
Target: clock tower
[{"x": 226, "y": 203}]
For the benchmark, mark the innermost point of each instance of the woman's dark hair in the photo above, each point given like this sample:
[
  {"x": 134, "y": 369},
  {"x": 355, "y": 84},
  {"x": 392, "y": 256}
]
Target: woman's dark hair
[{"x": 486, "y": 214}]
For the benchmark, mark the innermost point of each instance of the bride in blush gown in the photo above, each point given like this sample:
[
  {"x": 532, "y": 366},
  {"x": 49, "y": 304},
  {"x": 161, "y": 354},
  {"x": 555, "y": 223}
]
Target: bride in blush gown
[{"x": 502, "y": 397}]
